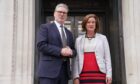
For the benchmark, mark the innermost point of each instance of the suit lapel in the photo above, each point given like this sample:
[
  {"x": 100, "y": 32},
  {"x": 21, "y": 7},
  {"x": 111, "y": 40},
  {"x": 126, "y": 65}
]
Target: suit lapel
[
  {"x": 59, "y": 36},
  {"x": 68, "y": 37},
  {"x": 56, "y": 31}
]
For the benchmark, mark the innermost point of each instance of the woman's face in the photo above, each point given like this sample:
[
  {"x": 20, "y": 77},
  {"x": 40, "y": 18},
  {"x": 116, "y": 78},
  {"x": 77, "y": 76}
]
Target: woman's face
[{"x": 91, "y": 24}]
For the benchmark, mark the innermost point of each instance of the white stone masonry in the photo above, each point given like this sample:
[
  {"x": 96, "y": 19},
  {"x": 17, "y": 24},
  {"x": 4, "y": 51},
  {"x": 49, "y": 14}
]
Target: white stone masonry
[{"x": 17, "y": 40}]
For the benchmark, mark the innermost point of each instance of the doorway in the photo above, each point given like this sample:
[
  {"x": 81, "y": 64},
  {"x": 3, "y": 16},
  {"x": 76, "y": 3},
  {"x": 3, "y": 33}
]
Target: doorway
[{"x": 110, "y": 15}]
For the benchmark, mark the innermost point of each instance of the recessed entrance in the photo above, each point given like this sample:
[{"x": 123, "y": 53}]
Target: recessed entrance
[{"x": 109, "y": 12}]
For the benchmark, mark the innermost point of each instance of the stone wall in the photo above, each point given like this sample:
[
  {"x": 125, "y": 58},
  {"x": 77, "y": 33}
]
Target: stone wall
[
  {"x": 17, "y": 41},
  {"x": 131, "y": 31}
]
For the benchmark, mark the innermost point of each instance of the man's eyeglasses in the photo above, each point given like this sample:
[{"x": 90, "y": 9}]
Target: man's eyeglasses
[{"x": 61, "y": 12}]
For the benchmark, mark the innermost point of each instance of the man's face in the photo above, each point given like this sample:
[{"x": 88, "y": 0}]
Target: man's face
[{"x": 60, "y": 15}]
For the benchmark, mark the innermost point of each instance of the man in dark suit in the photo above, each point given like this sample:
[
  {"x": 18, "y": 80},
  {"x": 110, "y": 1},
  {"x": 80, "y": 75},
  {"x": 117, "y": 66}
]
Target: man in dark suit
[{"x": 56, "y": 45}]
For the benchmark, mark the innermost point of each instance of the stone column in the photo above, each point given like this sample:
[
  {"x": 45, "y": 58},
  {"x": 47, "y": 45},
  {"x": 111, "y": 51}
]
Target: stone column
[
  {"x": 6, "y": 40},
  {"x": 17, "y": 41},
  {"x": 131, "y": 31}
]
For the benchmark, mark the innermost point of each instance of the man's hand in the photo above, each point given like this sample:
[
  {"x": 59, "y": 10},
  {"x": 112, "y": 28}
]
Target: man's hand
[{"x": 67, "y": 51}]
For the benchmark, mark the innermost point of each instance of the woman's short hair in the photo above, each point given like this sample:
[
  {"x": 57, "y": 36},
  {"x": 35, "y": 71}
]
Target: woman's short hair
[{"x": 85, "y": 20}]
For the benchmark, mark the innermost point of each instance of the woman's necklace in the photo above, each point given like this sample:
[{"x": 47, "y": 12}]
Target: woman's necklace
[{"x": 89, "y": 38}]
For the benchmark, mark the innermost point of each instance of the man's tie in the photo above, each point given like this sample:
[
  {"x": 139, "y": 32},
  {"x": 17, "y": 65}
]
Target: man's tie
[{"x": 64, "y": 39}]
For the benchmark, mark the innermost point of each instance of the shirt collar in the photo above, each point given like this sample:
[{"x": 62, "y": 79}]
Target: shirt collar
[{"x": 57, "y": 24}]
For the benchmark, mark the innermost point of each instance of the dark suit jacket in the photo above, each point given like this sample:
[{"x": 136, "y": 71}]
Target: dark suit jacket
[{"x": 49, "y": 44}]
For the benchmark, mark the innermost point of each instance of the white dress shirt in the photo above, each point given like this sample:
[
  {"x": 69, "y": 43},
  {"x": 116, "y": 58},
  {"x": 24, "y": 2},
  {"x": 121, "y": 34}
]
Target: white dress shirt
[{"x": 59, "y": 28}]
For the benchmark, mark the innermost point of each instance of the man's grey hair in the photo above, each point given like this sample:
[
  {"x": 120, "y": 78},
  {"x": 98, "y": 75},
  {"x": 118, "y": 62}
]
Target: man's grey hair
[{"x": 62, "y": 5}]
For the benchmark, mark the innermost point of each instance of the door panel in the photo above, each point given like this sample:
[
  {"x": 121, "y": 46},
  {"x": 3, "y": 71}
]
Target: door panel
[{"x": 78, "y": 22}]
